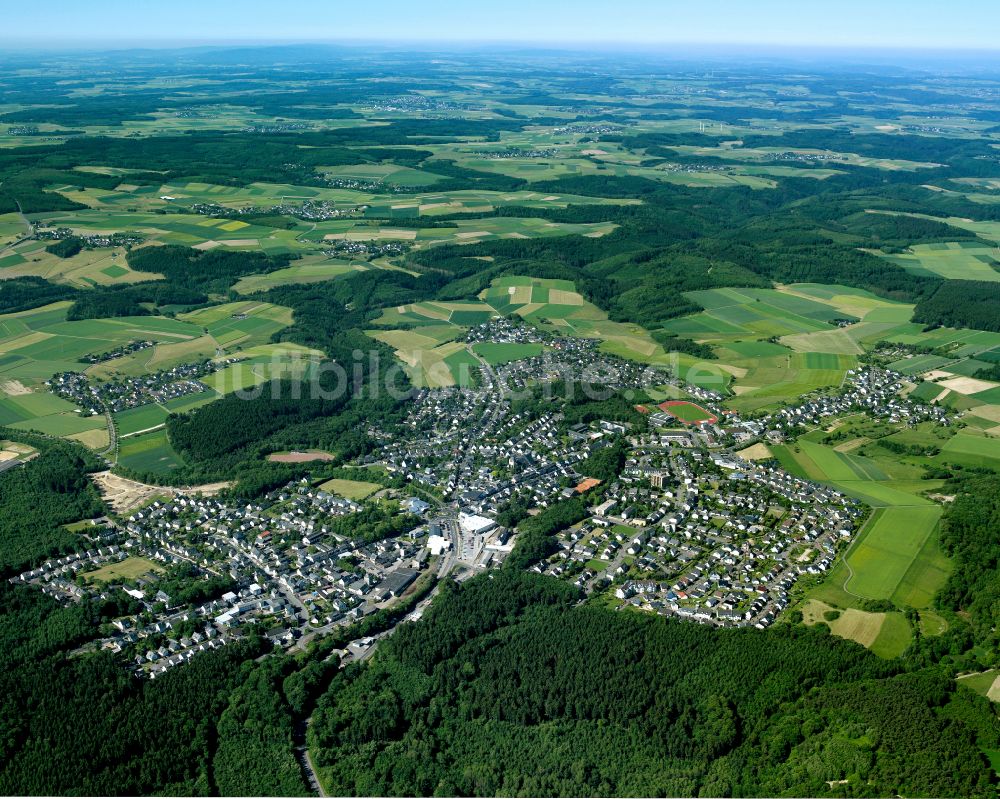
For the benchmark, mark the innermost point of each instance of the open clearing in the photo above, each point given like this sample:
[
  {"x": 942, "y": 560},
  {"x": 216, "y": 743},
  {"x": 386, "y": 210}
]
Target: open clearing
[
  {"x": 886, "y": 634},
  {"x": 126, "y": 570},
  {"x": 985, "y": 683},
  {"x": 756, "y": 452},
  {"x": 355, "y": 490},
  {"x": 124, "y": 495},
  {"x": 299, "y": 457}
]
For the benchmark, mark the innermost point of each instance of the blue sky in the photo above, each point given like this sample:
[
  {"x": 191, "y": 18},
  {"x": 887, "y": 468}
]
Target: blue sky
[{"x": 949, "y": 24}]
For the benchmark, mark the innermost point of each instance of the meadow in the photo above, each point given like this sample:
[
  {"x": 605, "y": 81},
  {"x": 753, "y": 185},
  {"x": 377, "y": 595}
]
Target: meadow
[
  {"x": 123, "y": 571},
  {"x": 355, "y": 490},
  {"x": 498, "y": 354},
  {"x": 149, "y": 452},
  {"x": 885, "y": 634}
]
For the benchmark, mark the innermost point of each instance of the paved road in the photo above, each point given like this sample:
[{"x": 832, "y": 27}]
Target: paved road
[{"x": 301, "y": 752}]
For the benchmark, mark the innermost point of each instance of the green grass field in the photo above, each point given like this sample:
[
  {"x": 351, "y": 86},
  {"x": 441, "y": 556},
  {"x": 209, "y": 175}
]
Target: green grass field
[
  {"x": 688, "y": 412},
  {"x": 891, "y": 548},
  {"x": 885, "y": 634},
  {"x": 301, "y": 272},
  {"x": 355, "y": 490},
  {"x": 149, "y": 452},
  {"x": 896, "y": 556},
  {"x": 957, "y": 260},
  {"x": 981, "y": 682},
  {"x": 144, "y": 417},
  {"x": 973, "y": 450},
  {"x": 126, "y": 570},
  {"x": 813, "y": 352},
  {"x": 554, "y": 305}
]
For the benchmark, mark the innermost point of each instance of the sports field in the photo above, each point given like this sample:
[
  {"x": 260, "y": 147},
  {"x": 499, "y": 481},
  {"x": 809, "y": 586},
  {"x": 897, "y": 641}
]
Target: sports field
[{"x": 688, "y": 412}]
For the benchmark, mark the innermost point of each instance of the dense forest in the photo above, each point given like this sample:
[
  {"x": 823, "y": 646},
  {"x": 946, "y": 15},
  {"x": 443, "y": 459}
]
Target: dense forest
[
  {"x": 507, "y": 687},
  {"x": 206, "y": 271},
  {"x": 22, "y": 293},
  {"x": 41, "y": 496},
  {"x": 969, "y": 536},
  {"x": 962, "y": 303}
]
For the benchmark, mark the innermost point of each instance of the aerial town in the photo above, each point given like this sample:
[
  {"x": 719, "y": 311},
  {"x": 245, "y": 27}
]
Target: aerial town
[{"x": 688, "y": 528}]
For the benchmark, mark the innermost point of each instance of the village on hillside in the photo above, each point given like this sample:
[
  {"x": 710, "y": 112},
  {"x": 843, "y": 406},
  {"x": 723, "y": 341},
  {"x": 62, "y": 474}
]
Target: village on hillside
[{"x": 687, "y": 527}]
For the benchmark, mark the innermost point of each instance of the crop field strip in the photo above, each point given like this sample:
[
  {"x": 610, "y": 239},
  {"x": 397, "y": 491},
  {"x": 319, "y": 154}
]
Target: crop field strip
[{"x": 896, "y": 555}]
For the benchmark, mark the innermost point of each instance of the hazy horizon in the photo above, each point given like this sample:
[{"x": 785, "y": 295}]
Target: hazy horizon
[{"x": 917, "y": 25}]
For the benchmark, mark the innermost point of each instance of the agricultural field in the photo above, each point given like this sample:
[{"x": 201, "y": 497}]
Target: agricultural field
[
  {"x": 777, "y": 344},
  {"x": 36, "y": 344},
  {"x": 432, "y": 328},
  {"x": 16, "y": 451},
  {"x": 239, "y": 324},
  {"x": 186, "y": 229},
  {"x": 974, "y": 450},
  {"x": 87, "y": 269},
  {"x": 141, "y": 419},
  {"x": 410, "y": 196},
  {"x": 462, "y": 231},
  {"x": 952, "y": 261},
  {"x": 567, "y": 156},
  {"x": 896, "y": 555},
  {"x": 735, "y": 151},
  {"x": 149, "y": 452},
  {"x": 891, "y": 548},
  {"x": 556, "y": 306}
]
